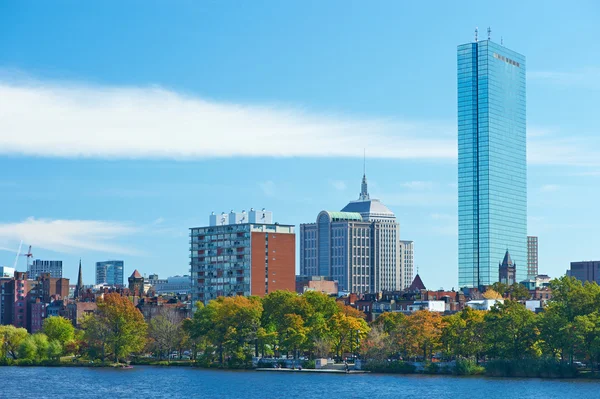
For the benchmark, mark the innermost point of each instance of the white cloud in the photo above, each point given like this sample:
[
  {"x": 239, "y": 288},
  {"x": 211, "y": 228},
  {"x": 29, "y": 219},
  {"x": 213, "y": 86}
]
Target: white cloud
[
  {"x": 418, "y": 185},
  {"x": 268, "y": 187},
  {"x": 338, "y": 185},
  {"x": 548, "y": 188},
  {"x": 68, "y": 236},
  {"x": 77, "y": 120}
]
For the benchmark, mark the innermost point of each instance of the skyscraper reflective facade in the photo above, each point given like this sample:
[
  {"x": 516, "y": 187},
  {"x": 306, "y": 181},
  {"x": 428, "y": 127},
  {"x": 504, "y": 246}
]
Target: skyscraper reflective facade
[{"x": 492, "y": 168}]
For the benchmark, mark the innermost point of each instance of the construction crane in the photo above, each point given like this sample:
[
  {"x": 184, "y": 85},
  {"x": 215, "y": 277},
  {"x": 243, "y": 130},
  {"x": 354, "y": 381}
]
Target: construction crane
[
  {"x": 29, "y": 256},
  {"x": 18, "y": 254}
]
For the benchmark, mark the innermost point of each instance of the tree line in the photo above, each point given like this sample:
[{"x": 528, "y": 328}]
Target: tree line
[{"x": 230, "y": 331}]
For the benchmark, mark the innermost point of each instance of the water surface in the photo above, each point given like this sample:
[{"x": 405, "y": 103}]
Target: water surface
[{"x": 179, "y": 382}]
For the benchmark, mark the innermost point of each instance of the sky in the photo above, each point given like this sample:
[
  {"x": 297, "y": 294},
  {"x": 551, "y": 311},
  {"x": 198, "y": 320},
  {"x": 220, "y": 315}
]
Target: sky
[{"x": 123, "y": 124}]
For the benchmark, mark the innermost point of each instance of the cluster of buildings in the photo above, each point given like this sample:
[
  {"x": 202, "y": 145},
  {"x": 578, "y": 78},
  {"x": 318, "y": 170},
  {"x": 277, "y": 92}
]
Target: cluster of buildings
[
  {"x": 27, "y": 298},
  {"x": 356, "y": 252}
]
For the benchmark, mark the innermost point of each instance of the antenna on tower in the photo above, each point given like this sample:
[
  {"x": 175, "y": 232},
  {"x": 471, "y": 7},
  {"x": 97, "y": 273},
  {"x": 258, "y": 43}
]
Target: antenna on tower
[
  {"x": 364, "y": 161},
  {"x": 501, "y": 41},
  {"x": 489, "y": 33},
  {"x": 476, "y": 32}
]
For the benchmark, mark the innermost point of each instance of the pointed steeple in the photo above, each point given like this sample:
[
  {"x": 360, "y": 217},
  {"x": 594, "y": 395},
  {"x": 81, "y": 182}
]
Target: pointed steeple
[
  {"x": 79, "y": 286},
  {"x": 364, "y": 192}
]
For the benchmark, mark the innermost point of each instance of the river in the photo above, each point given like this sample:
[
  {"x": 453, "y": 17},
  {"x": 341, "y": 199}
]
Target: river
[{"x": 179, "y": 382}]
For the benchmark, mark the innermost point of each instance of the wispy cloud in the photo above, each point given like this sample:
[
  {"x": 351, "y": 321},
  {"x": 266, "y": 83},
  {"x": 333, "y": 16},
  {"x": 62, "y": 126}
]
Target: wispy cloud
[
  {"x": 268, "y": 187},
  {"x": 548, "y": 188},
  {"x": 587, "y": 78},
  {"x": 69, "y": 236},
  {"x": 339, "y": 185},
  {"x": 58, "y": 119},
  {"x": 63, "y": 119}
]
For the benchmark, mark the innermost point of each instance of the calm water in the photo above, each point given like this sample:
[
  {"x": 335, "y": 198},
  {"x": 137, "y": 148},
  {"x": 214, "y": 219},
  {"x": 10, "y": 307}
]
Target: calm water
[{"x": 152, "y": 382}]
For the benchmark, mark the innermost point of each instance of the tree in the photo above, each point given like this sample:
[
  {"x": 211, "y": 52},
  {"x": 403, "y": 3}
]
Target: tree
[
  {"x": 11, "y": 338},
  {"x": 510, "y": 331},
  {"x": 117, "y": 325},
  {"x": 519, "y": 292},
  {"x": 492, "y": 294},
  {"x": 165, "y": 331},
  {"x": 96, "y": 334},
  {"x": 228, "y": 324},
  {"x": 424, "y": 329},
  {"x": 347, "y": 332},
  {"x": 462, "y": 334},
  {"x": 376, "y": 346},
  {"x": 55, "y": 349},
  {"x": 59, "y": 329},
  {"x": 28, "y": 349},
  {"x": 587, "y": 332}
]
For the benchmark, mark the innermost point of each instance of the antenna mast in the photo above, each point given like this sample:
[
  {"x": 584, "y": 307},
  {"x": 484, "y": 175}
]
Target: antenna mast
[
  {"x": 489, "y": 33},
  {"x": 476, "y": 32}
]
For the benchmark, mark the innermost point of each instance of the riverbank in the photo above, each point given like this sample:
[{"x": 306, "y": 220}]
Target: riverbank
[
  {"x": 324, "y": 371},
  {"x": 505, "y": 370}
]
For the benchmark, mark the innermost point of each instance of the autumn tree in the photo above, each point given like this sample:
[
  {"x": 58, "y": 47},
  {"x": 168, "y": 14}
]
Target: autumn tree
[{"x": 117, "y": 325}]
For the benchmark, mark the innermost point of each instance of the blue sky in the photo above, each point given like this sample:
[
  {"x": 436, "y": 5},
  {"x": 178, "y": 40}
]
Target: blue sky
[{"x": 122, "y": 124}]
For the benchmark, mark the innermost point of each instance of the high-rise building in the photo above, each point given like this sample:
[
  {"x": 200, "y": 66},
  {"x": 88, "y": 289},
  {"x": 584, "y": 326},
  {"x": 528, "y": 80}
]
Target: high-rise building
[
  {"x": 585, "y": 271},
  {"x": 241, "y": 254},
  {"x": 492, "y": 169},
  {"x": 110, "y": 272},
  {"x": 39, "y": 267},
  {"x": 358, "y": 246},
  {"x": 407, "y": 261},
  {"x": 532, "y": 257}
]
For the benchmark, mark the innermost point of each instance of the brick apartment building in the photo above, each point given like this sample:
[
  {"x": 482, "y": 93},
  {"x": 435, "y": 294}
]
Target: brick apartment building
[{"x": 241, "y": 254}]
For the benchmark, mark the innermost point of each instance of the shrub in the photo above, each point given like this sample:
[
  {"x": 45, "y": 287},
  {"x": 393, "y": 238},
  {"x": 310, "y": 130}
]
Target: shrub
[
  {"x": 539, "y": 368},
  {"x": 431, "y": 368},
  {"x": 397, "y": 367},
  {"x": 468, "y": 367},
  {"x": 309, "y": 364}
]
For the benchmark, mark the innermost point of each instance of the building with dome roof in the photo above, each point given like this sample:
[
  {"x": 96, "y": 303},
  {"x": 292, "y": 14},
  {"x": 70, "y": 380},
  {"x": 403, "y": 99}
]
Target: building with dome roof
[{"x": 357, "y": 246}]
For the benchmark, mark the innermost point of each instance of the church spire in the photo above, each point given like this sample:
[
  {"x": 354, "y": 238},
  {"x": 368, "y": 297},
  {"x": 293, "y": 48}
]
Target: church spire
[
  {"x": 364, "y": 193},
  {"x": 79, "y": 286}
]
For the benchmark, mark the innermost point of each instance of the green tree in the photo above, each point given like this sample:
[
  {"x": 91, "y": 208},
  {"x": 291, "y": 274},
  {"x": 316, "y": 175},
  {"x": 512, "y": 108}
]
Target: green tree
[
  {"x": 462, "y": 334},
  {"x": 59, "y": 328},
  {"x": 41, "y": 344},
  {"x": 11, "y": 338},
  {"x": 510, "y": 331},
  {"x": 519, "y": 292},
  {"x": 96, "y": 334},
  {"x": 28, "y": 348},
  {"x": 55, "y": 349}
]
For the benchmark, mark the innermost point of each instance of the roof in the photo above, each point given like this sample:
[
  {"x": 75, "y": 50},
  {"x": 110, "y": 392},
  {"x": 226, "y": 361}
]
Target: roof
[
  {"x": 372, "y": 206},
  {"x": 507, "y": 260},
  {"x": 335, "y": 216},
  {"x": 136, "y": 274},
  {"x": 417, "y": 284}
]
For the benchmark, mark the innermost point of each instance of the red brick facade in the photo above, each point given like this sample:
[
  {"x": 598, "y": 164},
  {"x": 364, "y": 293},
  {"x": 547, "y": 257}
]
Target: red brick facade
[{"x": 280, "y": 250}]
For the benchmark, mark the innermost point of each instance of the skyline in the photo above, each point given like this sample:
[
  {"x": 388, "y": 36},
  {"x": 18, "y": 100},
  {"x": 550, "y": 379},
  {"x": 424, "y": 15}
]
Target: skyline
[{"x": 311, "y": 96}]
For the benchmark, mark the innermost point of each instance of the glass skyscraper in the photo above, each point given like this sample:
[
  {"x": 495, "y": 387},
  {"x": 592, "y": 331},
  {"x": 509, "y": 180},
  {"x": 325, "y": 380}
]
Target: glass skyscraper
[{"x": 492, "y": 167}]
